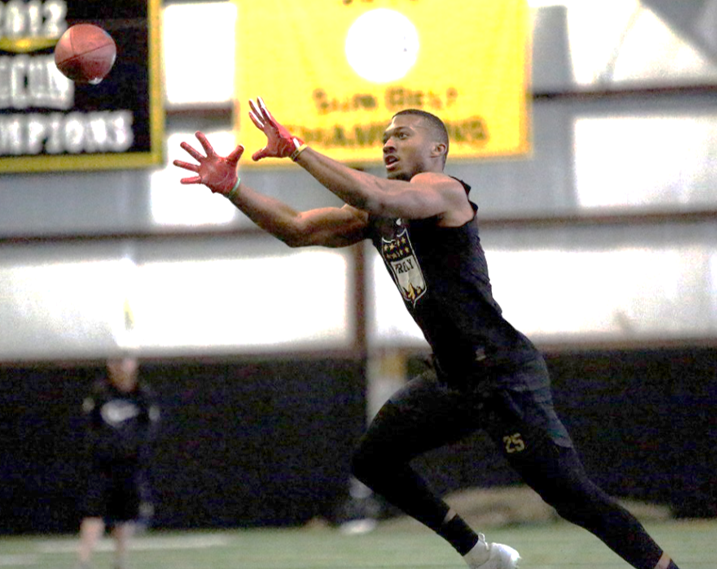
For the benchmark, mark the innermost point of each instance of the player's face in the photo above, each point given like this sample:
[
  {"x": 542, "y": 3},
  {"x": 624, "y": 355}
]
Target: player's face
[
  {"x": 406, "y": 147},
  {"x": 123, "y": 372}
]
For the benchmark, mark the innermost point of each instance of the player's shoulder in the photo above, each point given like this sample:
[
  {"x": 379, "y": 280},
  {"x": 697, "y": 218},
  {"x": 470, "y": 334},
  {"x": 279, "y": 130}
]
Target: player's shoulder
[
  {"x": 438, "y": 179},
  {"x": 432, "y": 176}
]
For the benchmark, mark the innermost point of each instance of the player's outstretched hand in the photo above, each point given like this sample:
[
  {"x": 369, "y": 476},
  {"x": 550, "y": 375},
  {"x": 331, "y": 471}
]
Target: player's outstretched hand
[
  {"x": 279, "y": 141},
  {"x": 218, "y": 173}
]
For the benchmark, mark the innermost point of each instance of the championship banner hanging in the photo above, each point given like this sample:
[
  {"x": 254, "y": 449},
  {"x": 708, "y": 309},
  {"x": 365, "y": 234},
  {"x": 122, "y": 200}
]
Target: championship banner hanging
[
  {"x": 335, "y": 71},
  {"x": 48, "y": 122}
]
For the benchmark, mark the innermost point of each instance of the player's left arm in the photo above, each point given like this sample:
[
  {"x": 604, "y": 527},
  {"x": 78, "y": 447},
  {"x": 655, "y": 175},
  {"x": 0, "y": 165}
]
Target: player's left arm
[{"x": 428, "y": 194}]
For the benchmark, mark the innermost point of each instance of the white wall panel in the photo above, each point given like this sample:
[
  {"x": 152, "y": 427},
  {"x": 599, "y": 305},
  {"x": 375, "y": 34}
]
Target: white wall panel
[
  {"x": 289, "y": 302},
  {"x": 198, "y": 47},
  {"x": 71, "y": 301},
  {"x": 65, "y": 308},
  {"x": 663, "y": 161},
  {"x": 620, "y": 294}
]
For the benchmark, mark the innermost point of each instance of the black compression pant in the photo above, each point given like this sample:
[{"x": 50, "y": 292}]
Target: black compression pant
[{"x": 425, "y": 414}]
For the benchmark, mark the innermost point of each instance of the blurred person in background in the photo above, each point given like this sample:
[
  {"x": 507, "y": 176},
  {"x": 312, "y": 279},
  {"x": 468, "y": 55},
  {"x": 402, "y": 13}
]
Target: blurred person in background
[{"x": 121, "y": 417}]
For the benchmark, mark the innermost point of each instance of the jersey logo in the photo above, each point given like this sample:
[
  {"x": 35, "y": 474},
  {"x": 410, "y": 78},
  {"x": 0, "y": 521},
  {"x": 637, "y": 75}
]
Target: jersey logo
[
  {"x": 399, "y": 256},
  {"x": 116, "y": 412}
]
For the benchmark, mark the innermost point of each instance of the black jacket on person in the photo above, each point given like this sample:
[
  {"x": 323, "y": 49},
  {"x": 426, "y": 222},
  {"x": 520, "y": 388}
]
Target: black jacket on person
[{"x": 120, "y": 426}]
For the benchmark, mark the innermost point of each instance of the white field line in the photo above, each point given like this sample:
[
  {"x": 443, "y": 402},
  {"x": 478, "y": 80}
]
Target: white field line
[
  {"x": 141, "y": 543},
  {"x": 17, "y": 560}
]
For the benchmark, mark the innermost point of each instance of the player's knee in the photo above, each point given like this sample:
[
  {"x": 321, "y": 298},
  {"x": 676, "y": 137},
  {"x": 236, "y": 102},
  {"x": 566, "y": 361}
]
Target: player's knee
[
  {"x": 584, "y": 508},
  {"x": 576, "y": 513}
]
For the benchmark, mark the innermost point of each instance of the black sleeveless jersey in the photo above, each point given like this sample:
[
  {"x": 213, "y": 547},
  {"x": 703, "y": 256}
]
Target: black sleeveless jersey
[{"x": 442, "y": 275}]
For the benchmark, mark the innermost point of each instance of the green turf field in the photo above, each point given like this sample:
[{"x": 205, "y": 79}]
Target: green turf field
[{"x": 543, "y": 546}]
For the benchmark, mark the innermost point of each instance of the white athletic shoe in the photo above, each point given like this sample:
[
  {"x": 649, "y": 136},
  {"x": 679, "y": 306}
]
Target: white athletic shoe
[{"x": 491, "y": 555}]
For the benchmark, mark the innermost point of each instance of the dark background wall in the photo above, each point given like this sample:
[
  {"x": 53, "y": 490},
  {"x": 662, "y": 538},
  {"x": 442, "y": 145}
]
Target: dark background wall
[
  {"x": 643, "y": 421},
  {"x": 268, "y": 442},
  {"x": 261, "y": 443}
]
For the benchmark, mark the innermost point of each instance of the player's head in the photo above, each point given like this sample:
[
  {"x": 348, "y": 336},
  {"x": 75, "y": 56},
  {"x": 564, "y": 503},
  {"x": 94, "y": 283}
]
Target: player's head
[
  {"x": 415, "y": 141},
  {"x": 123, "y": 371}
]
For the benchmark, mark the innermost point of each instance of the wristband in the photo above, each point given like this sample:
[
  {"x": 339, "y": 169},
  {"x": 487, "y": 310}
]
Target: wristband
[
  {"x": 234, "y": 191},
  {"x": 295, "y": 154}
]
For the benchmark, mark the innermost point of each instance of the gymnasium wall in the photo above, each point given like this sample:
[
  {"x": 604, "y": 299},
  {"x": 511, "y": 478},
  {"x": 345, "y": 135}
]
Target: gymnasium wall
[{"x": 604, "y": 235}]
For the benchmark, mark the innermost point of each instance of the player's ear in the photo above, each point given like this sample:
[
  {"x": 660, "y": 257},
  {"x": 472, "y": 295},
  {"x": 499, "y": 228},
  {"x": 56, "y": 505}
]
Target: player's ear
[{"x": 439, "y": 149}]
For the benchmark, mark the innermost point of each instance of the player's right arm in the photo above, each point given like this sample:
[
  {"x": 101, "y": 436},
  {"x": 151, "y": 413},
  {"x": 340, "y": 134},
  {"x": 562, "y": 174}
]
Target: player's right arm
[{"x": 328, "y": 227}]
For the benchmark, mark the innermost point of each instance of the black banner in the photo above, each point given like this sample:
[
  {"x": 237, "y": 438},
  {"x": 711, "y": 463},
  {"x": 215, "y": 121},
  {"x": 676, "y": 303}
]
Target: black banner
[{"x": 47, "y": 122}]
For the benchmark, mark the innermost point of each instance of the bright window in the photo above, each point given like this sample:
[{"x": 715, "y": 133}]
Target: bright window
[
  {"x": 285, "y": 302},
  {"x": 67, "y": 308},
  {"x": 655, "y": 162},
  {"x": 199, "y": 52}
]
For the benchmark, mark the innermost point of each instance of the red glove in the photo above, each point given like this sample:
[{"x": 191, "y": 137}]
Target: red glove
[
  {"x": 280, "y": 143},
  {"x": 216, "y": 172}
]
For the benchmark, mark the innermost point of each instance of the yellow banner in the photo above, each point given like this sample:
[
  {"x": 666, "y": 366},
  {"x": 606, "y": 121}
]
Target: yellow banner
[{"x": 335, "y": 71}]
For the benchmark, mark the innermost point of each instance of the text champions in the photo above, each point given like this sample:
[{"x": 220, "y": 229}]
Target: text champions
[{"x": 38, "y": 110}]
